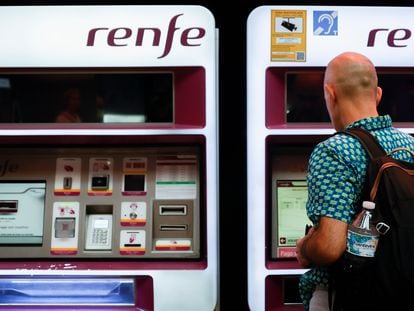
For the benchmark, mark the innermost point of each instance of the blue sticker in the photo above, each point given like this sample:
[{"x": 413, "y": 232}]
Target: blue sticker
[{"x": 325, "y": 23}]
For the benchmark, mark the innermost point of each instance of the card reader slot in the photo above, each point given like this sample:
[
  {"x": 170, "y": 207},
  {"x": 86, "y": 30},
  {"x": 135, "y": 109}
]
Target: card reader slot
[
  {"x": 8, "y": 206},
  {"x": 173, "y": 210},
  {"x": 67, "y": 182},
  {"x": 173, "y": 227}
]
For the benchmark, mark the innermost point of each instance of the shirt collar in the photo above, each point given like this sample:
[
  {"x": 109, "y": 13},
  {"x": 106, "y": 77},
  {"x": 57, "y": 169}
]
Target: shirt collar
[{"x": 372, "y": 123}]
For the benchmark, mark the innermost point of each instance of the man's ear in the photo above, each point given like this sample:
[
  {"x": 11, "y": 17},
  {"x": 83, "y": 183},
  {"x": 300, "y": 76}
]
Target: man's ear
[
  {"x": 330, "y": 94},
  {"x": 379, "y": 95}
]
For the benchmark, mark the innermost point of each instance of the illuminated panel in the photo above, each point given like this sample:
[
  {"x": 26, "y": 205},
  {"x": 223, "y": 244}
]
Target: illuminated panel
[
  {"x": 291, "y": 215},
  {"x": 21, "y": 212}
]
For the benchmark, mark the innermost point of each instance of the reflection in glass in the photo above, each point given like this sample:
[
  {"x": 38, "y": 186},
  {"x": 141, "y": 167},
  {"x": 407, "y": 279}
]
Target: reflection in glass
[
  {"x": 87, "y": 97},
  {"x": 397, "y": 96},
  {"x": 305, "y": 100},
  {"x": 71, "y": 105}
]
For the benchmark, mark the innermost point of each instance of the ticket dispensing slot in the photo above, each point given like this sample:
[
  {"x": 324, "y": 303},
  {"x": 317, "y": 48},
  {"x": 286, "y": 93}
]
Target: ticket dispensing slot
[
  {"x": 290, "y": 287},
  {"x": 287, "y": 287},
  {"x": 105, "y": 292}
]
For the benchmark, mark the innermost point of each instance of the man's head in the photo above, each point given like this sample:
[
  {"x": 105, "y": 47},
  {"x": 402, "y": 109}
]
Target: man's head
[{"x": 351, "y": 89}]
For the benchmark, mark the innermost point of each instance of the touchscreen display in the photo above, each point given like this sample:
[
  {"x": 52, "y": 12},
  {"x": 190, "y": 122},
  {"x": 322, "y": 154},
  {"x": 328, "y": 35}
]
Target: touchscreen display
[
  {"x": 22, "y": 207},
  {"x": 291, "y": 197}
]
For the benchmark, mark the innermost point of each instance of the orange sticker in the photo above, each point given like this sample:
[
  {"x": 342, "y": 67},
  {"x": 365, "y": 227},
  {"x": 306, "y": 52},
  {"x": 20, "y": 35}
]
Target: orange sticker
[{"x": 288, "y": 35}]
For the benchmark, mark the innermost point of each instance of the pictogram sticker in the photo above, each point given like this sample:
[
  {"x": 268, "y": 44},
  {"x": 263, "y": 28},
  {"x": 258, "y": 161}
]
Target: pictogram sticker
[{"x": 325, "y": 23}]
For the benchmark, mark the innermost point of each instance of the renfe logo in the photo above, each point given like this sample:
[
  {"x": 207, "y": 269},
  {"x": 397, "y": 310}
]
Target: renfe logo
[
  {"x": 394, "y": 36},
  {"x": 122, "y": 36}
]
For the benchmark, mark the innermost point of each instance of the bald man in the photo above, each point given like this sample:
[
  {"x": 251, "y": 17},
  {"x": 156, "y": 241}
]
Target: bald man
[{"x": 337, "y": 169}]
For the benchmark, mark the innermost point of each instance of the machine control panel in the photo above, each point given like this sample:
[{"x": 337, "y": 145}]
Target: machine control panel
[{"x": 101, "y": 202}]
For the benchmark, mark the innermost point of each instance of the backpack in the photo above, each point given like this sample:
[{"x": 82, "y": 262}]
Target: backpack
[{"x": 387, "y": 282}]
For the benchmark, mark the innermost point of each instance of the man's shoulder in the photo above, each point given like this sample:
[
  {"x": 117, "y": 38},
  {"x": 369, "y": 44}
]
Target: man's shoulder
[
  {"x": 400, "y": 133},
  {"x": 340, "y": 147},
  {"x": 340, "y": 140}
]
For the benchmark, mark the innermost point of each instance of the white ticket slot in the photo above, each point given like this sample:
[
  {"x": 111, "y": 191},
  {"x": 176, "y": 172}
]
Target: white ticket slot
[
  {"x": 68, "y": 176},
  {"x": 100, "y": 173}
]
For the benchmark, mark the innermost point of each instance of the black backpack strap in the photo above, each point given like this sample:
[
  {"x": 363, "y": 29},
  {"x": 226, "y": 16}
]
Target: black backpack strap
[
  {"x": 338, "y": 294},
  {"x": 368, "y": 141}
]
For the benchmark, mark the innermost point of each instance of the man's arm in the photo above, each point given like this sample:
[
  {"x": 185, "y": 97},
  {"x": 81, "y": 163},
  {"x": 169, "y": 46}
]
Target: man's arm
[{"x": 324, "y": 244}]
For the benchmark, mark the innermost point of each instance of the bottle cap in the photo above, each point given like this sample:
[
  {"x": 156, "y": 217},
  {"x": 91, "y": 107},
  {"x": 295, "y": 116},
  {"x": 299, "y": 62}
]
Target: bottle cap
[{"x": 368, "y": 205}]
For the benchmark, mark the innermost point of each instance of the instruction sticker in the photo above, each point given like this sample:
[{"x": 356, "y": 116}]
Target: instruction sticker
[
  {"x": 176, "y": 177},
  {"x": 134, "y": 176},
  {"x": 288, "y": 35},
  {"x": 68, "y": 176},
  {"x": 100, "y": 177},
  {"x": 132, "y": 242}
]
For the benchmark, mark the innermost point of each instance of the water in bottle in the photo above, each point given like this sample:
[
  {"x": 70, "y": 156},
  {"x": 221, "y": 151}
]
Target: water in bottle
[{"x": 362, "y": 239}]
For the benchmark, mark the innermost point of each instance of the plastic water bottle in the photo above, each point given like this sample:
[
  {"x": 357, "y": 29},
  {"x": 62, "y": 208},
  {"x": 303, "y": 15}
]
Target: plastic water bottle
[{"x": 362, "y": 239}]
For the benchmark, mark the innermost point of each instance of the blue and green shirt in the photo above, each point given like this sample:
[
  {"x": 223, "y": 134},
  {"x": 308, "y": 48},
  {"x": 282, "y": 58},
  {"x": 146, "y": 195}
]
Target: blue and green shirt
[{"x": 335, "y": 179}]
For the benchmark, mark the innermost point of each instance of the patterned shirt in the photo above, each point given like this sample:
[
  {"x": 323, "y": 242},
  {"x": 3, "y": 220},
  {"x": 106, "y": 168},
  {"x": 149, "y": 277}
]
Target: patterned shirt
[{"x": 335, "y": 179}]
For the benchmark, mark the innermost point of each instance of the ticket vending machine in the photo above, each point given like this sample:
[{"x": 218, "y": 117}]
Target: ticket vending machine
[
  {"x": 288, "y": 48},
  {"x": 108, "y": 161}
]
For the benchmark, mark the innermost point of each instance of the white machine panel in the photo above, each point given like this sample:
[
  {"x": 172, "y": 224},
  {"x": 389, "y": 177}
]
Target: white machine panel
[{"x": 288, "y": 48}]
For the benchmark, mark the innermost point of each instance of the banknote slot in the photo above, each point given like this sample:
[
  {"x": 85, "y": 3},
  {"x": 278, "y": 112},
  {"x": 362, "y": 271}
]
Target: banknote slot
[
  {"x": 173, "y": 220},
  {"x": 173, "y": 210}
]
